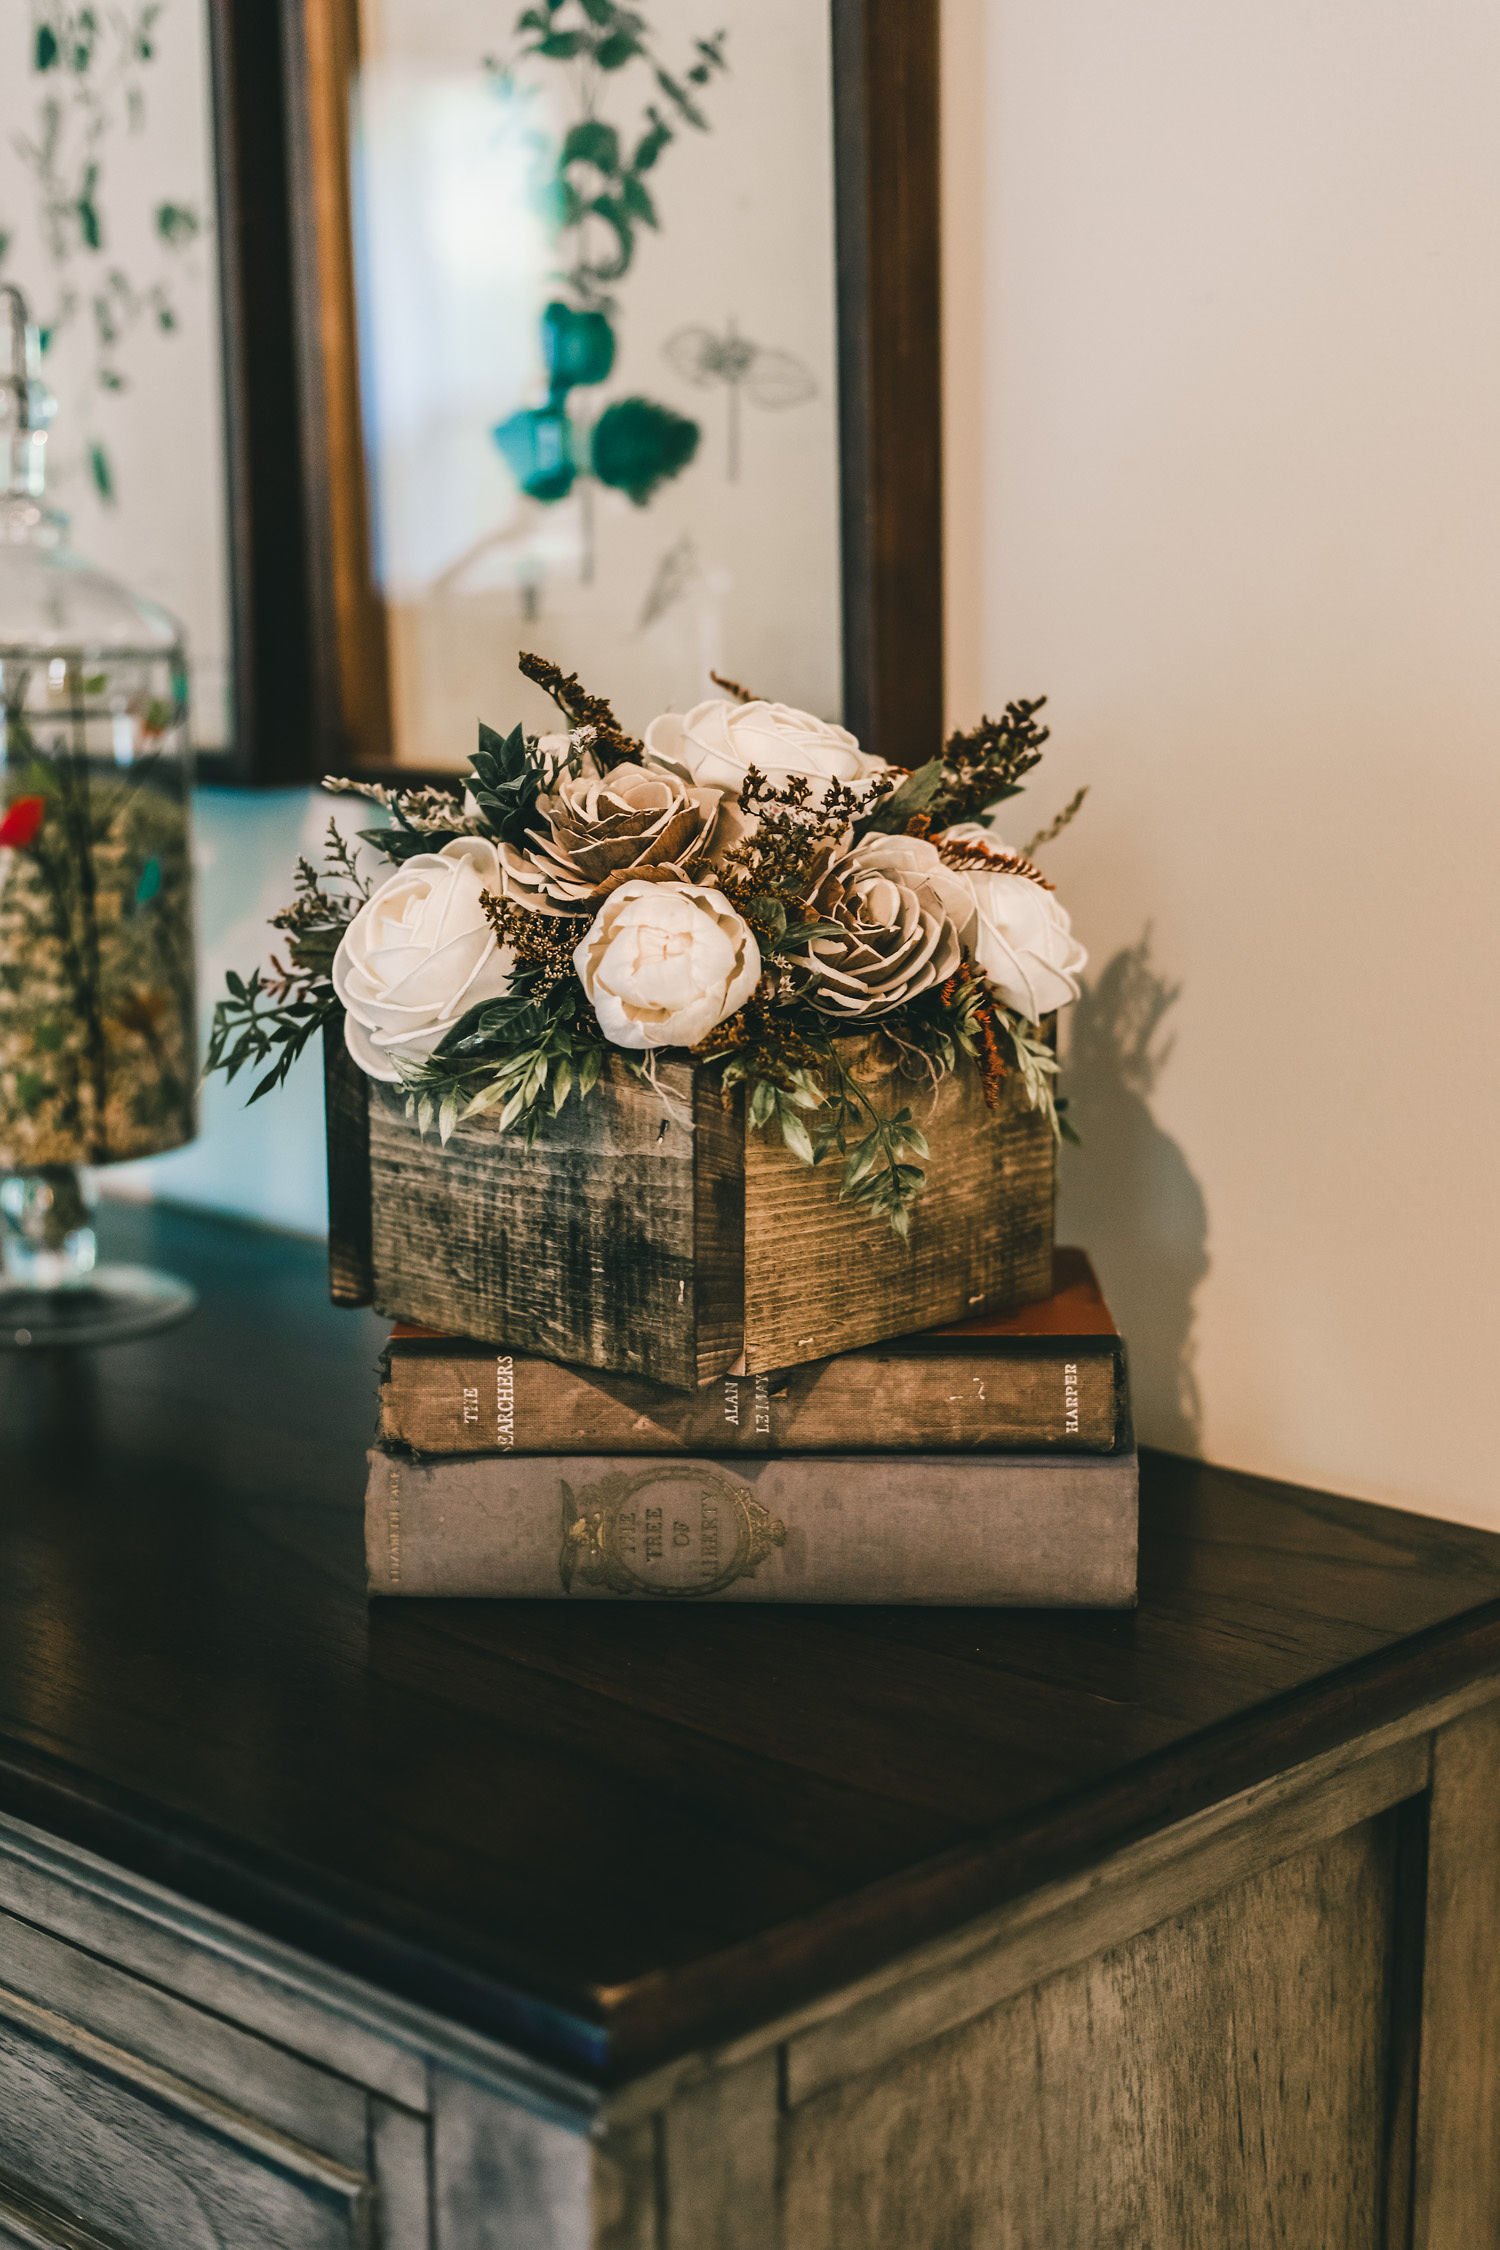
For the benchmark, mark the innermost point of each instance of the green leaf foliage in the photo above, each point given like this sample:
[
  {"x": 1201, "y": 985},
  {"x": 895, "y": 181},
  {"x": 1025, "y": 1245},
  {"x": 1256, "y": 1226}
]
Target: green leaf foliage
[
  {"x": 911, "y": 795},
  {"x": 636, "y": 201},
  {"x": 612, "y": 211},
  {"x": 637, "y": 446},
  {"x": 536, "y": 444},
  {"x": 520, "y": 1060},
  {"x": 254, "y": 1026},
  {"x": 592, "y": 141},
  {"x": 578, "y": 347},
  {"x": 504, "y": 782},
  {"x": 177, "y": 223},
  {"x": 617, "y": 49}
]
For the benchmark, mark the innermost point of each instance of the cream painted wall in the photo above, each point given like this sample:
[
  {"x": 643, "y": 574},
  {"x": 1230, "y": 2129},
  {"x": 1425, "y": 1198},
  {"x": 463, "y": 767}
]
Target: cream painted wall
[{"x": 1223, "y": 347}]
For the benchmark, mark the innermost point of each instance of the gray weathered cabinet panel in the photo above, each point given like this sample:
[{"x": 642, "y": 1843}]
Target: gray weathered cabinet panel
[
  {"x": 325, "y": 2112},
  {"x": 152, "y": 2161},
  {"x": 1218, "y": 2080},
  {"x": 504, "y": 2178}
]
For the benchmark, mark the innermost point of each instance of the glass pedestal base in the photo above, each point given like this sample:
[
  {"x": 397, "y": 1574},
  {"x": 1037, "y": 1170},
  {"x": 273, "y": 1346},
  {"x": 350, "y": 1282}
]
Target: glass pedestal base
[
  {"x": 113, "y": 1305},
  {"x": 53, "y": 1292}
]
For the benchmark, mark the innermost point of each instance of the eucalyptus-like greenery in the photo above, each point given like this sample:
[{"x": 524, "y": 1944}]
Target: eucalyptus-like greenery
[{"x": 269, "y": 1017}]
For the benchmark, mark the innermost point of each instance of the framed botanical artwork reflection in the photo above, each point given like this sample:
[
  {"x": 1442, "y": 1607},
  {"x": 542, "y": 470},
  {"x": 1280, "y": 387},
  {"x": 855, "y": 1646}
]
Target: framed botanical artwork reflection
[{"x": 619, "y": 329}]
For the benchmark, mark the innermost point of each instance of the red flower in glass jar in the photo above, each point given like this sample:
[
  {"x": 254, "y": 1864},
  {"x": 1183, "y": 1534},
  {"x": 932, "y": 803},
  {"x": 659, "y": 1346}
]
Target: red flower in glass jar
[{"x": 22, "y": 821}]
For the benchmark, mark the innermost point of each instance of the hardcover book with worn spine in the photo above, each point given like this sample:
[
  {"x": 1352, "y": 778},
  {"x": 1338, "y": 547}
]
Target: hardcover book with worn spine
[
  {"x": 977, "y": 1530},
  {"x": 1047, "y": 1377}
]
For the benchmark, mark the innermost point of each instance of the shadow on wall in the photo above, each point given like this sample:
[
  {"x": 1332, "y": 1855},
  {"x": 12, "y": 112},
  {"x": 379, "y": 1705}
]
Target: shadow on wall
[{"x": 1127, "y": 1193}]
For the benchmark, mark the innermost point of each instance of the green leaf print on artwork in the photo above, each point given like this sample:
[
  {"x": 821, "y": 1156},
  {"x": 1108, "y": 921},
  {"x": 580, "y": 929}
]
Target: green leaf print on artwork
[
  {"x": 577, "y": 347},
  {"x": 590, "y": 186},
  {"x": 537, "y": 446},
  {"x": 638, "y": 445}
]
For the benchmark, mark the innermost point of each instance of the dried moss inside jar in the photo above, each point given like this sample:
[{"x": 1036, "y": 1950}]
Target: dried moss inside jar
[{"x": 97, "y": 1035}]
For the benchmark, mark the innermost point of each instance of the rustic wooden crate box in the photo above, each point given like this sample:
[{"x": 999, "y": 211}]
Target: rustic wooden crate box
[{"x": 674, "y": 1243}]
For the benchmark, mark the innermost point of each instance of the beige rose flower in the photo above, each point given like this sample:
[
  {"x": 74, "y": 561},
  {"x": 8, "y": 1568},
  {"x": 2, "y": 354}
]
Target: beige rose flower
[
  {"x": 664, "y": 962},
  {"x": 597, "y": 830},
  {"x": 898, "y": 914}
]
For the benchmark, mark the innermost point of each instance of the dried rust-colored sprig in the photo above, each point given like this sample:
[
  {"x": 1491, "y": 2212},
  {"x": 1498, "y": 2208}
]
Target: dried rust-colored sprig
[
  {"x": 985, "y": 763},
  {"x": 611, "y": 744},
  {"x": 991, "y": 859},
  {"x": 733, "y": 690},
  {"x": 544, "y": 943},
  {"x": 968, "y": 999}
]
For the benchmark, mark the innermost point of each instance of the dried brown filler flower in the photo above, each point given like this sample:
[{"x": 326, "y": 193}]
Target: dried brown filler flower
[
  {"x": 596, "y": 831},
  {"x": 611, "y": 743},
  {"x": 732, "y": 688},
  {"x": 542, "y": 943},
  {"x": 774, "y": 844},
  {"x": 892, "y": 916}
]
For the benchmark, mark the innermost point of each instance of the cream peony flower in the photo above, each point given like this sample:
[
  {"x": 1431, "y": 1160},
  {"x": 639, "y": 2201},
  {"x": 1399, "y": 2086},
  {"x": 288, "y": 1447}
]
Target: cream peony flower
[
  {"x": 418, "y": 955},
  {"x": 1021, "y": 939},
  {"x": 717, "y": 742},
  {"x": 663, "y": 963}
]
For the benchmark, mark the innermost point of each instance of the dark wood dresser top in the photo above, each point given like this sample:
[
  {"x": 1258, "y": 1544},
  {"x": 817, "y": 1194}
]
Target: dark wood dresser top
[{"x": 610, "y": 1834}]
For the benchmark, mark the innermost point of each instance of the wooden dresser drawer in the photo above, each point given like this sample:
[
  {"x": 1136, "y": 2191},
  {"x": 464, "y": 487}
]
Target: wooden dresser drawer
[{"x": 146, "y": 2161}]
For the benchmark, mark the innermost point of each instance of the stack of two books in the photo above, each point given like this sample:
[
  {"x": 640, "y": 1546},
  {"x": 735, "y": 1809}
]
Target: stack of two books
[{"x": 987, "y": 1463}]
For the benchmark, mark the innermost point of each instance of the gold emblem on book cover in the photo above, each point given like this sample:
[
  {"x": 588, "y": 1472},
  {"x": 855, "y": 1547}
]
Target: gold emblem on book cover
[{"x": 677, "y": 1531}]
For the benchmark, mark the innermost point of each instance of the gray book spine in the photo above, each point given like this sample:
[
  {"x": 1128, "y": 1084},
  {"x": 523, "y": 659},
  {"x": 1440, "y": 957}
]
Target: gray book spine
[{"x": 1036, "y": 1531}]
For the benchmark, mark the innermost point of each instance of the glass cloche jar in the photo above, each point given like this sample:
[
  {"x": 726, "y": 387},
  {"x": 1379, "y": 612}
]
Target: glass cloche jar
[{"x": 98, "y": 1056}]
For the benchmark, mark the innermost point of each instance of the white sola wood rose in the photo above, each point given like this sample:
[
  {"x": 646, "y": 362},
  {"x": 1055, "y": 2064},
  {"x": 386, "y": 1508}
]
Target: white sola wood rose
[
  {"x": 717, "y": 742},
  {"x": 418, "y": 954},
  {"x": 664, "y": 962},
  {"x": 1021, "y": 938}
]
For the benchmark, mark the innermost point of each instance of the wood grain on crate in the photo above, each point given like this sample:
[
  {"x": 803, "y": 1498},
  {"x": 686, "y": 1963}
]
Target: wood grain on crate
[
  {"x": 580, "y": 1247},
  {"x": 647, "y": 1232},
  {"x": 824, "y": 1275}
]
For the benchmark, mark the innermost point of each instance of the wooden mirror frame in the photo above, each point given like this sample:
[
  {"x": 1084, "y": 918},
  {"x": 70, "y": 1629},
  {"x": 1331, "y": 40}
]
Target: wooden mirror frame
[{"x": 312, "y": 676}]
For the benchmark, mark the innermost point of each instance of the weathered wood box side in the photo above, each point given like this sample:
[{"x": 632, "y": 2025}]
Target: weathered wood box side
[{"x": 656, "y": 1236}]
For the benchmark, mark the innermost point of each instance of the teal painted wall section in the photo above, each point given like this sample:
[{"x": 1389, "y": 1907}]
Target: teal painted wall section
[{"x": 267, "y": 1162}]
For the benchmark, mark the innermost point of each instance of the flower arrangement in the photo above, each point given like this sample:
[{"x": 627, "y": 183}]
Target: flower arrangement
[{"x": 744, "y": 883}]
